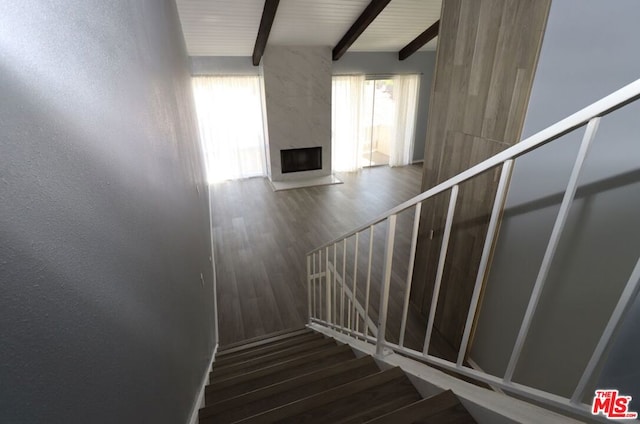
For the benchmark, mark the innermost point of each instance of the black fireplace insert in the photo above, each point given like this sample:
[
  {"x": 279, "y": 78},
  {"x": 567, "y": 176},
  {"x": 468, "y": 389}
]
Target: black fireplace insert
[{"x": 296, "y": 160}]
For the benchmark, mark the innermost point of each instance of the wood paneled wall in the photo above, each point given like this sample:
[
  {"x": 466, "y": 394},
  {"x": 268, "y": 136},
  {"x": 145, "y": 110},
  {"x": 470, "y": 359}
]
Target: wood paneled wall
[{"x": 486, "y": 60}]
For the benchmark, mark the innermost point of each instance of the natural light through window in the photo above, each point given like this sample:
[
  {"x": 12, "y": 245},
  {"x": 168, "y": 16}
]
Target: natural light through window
[
  {"x": 231, "y": 129},
  {"x": 373, "y": 120}
]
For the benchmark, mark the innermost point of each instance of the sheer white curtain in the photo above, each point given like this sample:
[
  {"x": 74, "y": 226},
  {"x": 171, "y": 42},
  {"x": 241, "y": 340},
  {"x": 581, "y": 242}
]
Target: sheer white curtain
[
  {"x": 229, "y": 113},
  {"x": 405, "y": 93},
  {"x": 347, "y": 122}
]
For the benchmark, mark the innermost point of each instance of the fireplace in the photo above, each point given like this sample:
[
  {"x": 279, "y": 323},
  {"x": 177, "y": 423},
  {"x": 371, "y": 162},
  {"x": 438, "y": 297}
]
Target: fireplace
[{"x": 298, "y": 160}]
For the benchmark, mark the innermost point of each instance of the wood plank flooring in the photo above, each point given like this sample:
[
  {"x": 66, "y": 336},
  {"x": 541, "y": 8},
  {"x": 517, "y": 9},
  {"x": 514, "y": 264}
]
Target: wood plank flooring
[{"x": 261, "y": 238}]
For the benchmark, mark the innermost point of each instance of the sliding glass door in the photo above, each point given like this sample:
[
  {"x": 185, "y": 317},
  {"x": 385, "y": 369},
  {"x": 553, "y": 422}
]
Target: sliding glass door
[
  {"x": 373, "y": 121},
  {"x": 379, "y": 114}
]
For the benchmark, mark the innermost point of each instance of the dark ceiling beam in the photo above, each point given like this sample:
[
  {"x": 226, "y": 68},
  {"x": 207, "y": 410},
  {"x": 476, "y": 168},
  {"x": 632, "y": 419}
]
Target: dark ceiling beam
[
  {"x": 422, "y": 39},
  {"x": 268, "y": 14},
  {"x": 368, "y": 15}
]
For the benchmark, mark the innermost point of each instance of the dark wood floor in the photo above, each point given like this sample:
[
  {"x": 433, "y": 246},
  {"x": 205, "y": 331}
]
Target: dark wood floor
[{"x": 261, "y": 239}]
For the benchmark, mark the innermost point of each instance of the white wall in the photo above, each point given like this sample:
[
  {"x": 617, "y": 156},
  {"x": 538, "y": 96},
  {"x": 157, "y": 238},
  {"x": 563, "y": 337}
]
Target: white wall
[{"x": 588, "y": 52}]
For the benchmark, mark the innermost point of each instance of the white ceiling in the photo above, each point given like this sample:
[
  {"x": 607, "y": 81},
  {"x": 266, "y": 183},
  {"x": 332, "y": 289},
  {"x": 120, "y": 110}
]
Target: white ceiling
[
  {"x": 397, "y": 25},
  {"x": 314, "y": 22},
  {"x": 229, "y": 27}
]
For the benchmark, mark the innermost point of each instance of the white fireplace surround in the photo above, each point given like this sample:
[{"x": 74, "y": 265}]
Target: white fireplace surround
[{"x": 297, "y": 109}]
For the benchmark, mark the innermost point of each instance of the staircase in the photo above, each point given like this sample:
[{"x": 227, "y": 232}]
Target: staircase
[
  {"x": 303, "y": 377},
  {"x": 346, "y": 275}
]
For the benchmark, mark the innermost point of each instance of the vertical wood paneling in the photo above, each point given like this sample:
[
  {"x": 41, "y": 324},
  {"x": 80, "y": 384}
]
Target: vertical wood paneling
[{"x": 486, "y": 60}]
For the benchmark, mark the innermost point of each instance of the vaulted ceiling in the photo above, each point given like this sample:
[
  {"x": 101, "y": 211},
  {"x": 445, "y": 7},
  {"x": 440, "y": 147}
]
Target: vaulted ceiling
[{"x": 230, "y": 27}]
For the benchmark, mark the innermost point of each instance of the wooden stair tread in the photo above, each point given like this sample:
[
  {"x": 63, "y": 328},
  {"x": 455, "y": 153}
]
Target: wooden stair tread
[
  {"x": 301, "y": 376},
  {"x": 291, "y": 363},
  {"x": 353, "y": 405},
  {"x": 441, "y": 408},
  {"x": 270, "y": 358},
  {"x": 233, "y": 386},
  {"x": 260, "y": 341},
  {"x": 268, "y": 348},
  {"x": 287, "y": 391},
  {"x": 305, "y": 410},
  {"x": 380, "y": 409},
  {"x": 454, "y": 415}
]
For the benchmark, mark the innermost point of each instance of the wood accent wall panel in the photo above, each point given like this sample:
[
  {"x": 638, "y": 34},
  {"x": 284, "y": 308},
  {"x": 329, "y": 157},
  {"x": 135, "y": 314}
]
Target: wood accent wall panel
[{"x": 486, "y": 60}]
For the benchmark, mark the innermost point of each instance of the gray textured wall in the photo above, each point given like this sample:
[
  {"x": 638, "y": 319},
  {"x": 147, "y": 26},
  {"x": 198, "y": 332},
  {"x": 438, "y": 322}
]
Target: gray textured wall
[
  {"x": 223, "y": 65},
  {"x": 350, "y": 63},
  {"x": 601, "y": 241},
  {"x": 103, "y": 216}
]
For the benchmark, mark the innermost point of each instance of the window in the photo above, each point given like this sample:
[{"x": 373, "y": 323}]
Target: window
[{"x": 229, "y": 113}]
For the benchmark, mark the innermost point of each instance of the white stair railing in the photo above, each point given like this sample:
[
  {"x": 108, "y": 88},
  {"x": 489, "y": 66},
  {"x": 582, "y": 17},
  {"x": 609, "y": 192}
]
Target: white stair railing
[{"x": 327, "y": 287}]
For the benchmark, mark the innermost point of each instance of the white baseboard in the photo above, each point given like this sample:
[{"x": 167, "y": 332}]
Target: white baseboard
[
  {"x": 415, "y": 162},
  {"x": 198, "y": 402}
]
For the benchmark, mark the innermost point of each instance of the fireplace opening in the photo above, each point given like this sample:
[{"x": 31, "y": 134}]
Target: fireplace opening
[{"x": 297, "y": 160}]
